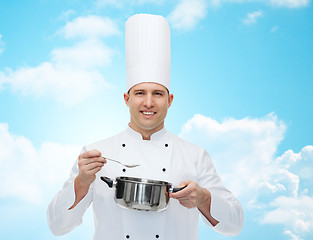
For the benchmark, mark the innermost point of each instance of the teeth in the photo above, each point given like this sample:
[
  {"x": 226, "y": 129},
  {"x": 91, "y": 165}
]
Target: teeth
[{"x": 148, "y": 113}]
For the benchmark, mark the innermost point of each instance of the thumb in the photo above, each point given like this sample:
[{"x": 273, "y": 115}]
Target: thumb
[{"x": 184, "y": 183}]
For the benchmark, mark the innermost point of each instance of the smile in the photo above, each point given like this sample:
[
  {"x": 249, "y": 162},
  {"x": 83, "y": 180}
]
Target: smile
[{"x": 148, "y": 113}]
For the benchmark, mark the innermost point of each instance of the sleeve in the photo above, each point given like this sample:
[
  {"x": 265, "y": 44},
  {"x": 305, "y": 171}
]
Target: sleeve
[
  {"x": 61, "y": 220},
  {"x": 224, "y": 206}
]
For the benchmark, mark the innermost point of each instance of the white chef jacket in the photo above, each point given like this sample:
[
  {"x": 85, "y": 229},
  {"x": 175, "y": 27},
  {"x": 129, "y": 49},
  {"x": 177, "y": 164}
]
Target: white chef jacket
[{"x": 165, "y": 157}]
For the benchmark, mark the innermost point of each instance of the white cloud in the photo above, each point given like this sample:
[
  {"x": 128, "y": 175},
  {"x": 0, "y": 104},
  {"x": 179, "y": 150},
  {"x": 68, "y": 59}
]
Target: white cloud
[
  {"x": 31, "y": 174},
  {"x": 239, "y": 148},
  {"x": 187, "y": 14},
  {"x": 290, "y": 3},
  {"x": 274, "y": 189},
  {"x": 73, "y": 73},
  {"x": 89, "y": 54},
  {"x": 66, "y": 15},
  {"x": 292, "y": 235},
  {"x": 252, "y": 17},
  {"x": 300, "y": 163},
  {"x": 295, "y": 213},
  {"x": 274, "y": 3},
  {"x": 90, "y": 27}
]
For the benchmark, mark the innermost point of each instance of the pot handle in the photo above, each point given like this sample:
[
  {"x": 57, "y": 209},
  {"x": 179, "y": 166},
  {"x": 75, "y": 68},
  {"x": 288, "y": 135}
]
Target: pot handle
[
  {"x": 174, "y": 190},
  {"x": 108, "y": 181}
]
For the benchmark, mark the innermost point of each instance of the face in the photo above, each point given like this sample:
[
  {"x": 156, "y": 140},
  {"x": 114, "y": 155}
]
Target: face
[{"x": 148, "y": 104}]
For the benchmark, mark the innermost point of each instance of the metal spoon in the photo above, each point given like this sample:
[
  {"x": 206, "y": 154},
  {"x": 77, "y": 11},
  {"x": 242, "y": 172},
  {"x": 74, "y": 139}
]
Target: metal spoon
[{"x": 125, "y": 165}]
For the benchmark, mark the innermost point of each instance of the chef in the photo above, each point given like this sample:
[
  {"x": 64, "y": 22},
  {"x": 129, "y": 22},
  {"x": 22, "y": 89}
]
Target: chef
[{"x": 160, "y": 155}]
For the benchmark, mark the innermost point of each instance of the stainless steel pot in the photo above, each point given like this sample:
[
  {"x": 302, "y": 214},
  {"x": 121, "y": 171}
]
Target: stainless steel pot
[{"x": 141, "y": 194}]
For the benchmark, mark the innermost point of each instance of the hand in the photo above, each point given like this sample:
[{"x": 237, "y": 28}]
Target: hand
[
  {"x": 195, "y": 196},
  {"x": 89, "y": 164},
  {"x": 191, "y": 196}
]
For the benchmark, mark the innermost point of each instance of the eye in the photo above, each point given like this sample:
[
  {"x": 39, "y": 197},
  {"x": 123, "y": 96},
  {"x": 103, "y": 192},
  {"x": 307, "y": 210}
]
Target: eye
[
  {"x": 138, "y": 93},
  {"x": 158, "y": 93}
]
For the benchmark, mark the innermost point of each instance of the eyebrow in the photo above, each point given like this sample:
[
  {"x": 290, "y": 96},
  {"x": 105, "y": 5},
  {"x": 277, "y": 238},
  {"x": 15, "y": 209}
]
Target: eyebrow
[{"x": 161, "y": 91}]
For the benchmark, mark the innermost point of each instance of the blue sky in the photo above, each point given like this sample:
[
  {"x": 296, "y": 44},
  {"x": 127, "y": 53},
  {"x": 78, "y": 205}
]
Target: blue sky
[{"x": 242, "y": 79}]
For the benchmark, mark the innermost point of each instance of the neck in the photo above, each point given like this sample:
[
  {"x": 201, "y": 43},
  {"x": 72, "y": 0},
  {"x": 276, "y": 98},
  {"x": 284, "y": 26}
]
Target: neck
[
  {"x": 146, "y": 133},
  {"x": 146, "y": 136}
]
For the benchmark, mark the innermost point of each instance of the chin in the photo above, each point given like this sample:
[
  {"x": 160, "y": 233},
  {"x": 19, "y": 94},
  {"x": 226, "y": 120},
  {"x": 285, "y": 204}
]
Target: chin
[{"x": 149, "y": 127}]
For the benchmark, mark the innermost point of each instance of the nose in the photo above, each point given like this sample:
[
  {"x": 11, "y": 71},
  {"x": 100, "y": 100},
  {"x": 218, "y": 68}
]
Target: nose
[{"x": 149, "y": 102}]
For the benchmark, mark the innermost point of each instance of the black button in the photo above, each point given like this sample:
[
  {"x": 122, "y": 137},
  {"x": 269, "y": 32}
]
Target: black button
[
  {"x": 164, "y": 169},
  {"x": 166, "y": 145},
  {"x": 124, "y": 170},
  {"x": 123, "y": 145},
  {"x": 157, "y": 236},
  {"x": 127, "y": 236}
]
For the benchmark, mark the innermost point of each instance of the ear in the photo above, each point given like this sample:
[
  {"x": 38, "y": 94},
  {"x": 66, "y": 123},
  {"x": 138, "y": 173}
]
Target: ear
[
  {"x": 126, "y": 98},
  {"x": 170, "y": 99}
]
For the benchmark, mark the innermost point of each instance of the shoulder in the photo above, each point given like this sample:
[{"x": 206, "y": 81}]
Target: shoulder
[
  {"x": 192, "y": 154},
  {"x": 182, "y": 143},
  {"x": 108, "y": 142}
]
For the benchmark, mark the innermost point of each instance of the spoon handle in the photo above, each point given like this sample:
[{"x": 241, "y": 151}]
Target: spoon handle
[
  {"x": 125, "y": 165},
  {"x": 110, "y": 159}
]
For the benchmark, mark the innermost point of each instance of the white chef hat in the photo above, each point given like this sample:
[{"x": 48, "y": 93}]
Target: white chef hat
[{"x": 148, "y": 50}]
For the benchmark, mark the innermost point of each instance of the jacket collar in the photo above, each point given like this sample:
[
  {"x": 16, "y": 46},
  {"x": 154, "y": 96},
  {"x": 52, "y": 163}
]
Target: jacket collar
[{"x": 154, "y": 137}]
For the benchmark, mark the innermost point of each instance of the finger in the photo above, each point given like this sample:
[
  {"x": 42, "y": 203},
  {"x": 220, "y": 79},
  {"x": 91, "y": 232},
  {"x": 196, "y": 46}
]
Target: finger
[
  {"x": 184, "y": 192},
  {"x": 91, "y": 166},
  {"x": 180, "y": 195},
  {"x": 95, "y": 170},
  {"x": 90, "y": 154},
  {"x": 104, "y": 159},
  {"x": 86, "y": 161},
  {"x": 184, "y": 183},
  {"x": 187, "y": 204}
]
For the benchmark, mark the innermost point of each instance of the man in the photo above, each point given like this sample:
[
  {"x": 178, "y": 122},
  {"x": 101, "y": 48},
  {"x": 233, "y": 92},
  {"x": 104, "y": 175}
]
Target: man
[{"x": 160, "y": 154}]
